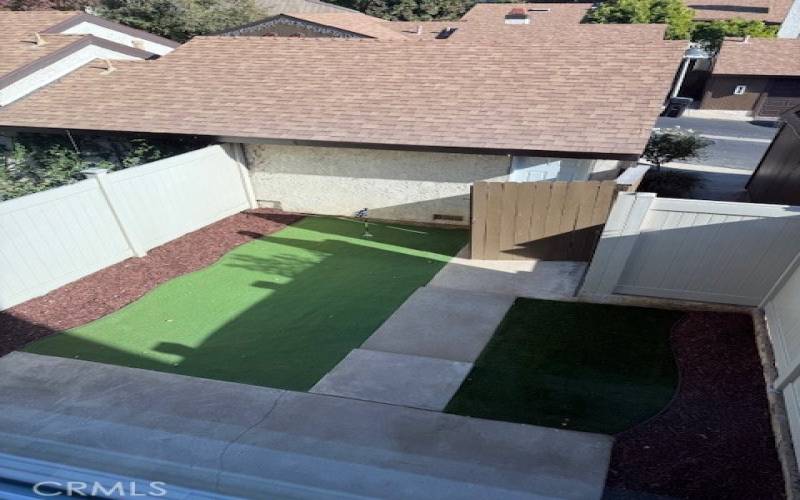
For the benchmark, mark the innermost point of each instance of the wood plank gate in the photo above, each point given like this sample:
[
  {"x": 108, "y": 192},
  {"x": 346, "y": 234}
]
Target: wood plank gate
[{"x": 539, "y": 220}]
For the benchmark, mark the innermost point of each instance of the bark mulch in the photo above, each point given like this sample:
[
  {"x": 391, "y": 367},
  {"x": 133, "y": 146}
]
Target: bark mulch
[
  {"x": 114, "y": 287},
  {"x": 715, "y": 438}
]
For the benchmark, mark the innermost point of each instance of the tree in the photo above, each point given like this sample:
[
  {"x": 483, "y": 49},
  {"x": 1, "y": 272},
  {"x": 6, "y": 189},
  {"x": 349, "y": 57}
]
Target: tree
[
  {"x": 180, "y": 20},
  {"x": 410, "y": 10},
  {"x": 711, "y": 34},
  {"x": 674, "y": 13},
  {"x": 670, "y": 144},
  {"x": 48, "y": 4}
]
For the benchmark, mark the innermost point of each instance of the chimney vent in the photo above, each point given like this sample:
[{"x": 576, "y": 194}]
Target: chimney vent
[
  {"x": 419, "y": 29},
  {"x": 138, "y": 44},
  {"x": 445, "y": 33},
  {"x": 518, "y": 15}
]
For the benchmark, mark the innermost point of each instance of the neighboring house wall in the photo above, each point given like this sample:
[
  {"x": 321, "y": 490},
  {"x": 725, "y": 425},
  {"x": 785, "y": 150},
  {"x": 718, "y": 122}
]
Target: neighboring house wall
[
  {"x": 777, "y": 178},
  {"x": 790, "y": 28},
  {"x": 534, "y": 168},
  {"x": 719, "y": 93},
  {"x": 87, "y": 28},
  {"x": 394, "y": 185},
  {"x": 764, "y": 96},
  {"x": 57, "y": 70}
]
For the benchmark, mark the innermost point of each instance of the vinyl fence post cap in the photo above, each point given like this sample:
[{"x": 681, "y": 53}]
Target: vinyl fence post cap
[{"x": 94, "y": 172}]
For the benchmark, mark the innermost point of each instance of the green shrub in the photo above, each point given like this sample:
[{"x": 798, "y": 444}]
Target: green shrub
[
  {"x": 671, "y": 183},
  {"x": 670, "y": 144},
  {"x": 709, "y": 35}
]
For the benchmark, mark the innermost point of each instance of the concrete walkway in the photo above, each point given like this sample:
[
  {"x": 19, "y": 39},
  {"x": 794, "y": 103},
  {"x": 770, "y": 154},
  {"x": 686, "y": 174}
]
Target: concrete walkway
[
  {"x": 556, "y": 280},
  {"x": 421, "y": 355},
  {"x": 257, "y": 442}
]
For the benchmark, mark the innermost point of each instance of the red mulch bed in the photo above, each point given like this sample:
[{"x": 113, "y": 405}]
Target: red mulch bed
[
  {"x": 715, "y": 439},
  {"x": 110, "y": 289}
]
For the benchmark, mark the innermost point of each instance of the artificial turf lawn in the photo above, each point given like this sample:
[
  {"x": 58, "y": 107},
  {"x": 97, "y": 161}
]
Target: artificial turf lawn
[
  {"x": 586, "y": 367},
  {"x": 280, "y": 311}
]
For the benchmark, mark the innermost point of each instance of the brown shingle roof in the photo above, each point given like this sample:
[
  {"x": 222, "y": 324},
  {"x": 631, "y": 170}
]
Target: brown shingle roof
[
  {"x": 771, "y": 11},
  {"x": 550, "y": 96},
  {"x": 17, "y": 47},
  {"x": 759, "y": 56}
]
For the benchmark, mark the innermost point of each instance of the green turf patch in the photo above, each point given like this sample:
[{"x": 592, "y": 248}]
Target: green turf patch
[
  {"x": 587, "y": 367},
  {"x": 280, "y": 311}
]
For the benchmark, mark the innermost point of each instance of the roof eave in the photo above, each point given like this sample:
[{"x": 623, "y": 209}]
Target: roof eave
[
  {"x": 81, "y": 42},
  {"x": 106, "y": 23}
]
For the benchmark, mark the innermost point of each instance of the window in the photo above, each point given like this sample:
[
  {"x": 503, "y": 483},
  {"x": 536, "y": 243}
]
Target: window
[{"x": 740, "y": 89}]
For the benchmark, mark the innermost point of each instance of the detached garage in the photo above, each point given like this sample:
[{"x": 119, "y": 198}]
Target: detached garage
[{"x": 759, "y": 77}]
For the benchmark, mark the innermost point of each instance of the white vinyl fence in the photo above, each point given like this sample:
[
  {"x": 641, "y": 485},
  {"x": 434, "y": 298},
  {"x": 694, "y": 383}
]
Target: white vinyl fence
[
  {"x": 783, "y": 319},
  {"x": 51, "y": 238},
  {"x": 711, "y": 251}
]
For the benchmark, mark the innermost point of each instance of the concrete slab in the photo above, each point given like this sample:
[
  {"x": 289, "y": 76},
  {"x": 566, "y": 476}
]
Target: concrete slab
[
  {"x": 442, "y": 323},
  {"x": 534, "y": 279},
  {"x": 397, "y": 379},
  {"x": 256, "y": 442}
]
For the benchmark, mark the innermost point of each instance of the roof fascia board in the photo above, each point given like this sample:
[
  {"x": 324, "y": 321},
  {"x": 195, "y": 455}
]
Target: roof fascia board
[
  {"x": 436, "y": 149},
  {"x": 352, "y": 145},
  {"x": 106, "y": 23},
  {"x": 82, "y": 42}
]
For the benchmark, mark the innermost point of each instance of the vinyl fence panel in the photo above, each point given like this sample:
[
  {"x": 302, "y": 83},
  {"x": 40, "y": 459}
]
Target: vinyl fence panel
[
  {"x": 51, "y": 238},
  {"x": 697, "y": 250},
  {"x": 783, "y": 319},
  {"x": 163, "y": 200}
]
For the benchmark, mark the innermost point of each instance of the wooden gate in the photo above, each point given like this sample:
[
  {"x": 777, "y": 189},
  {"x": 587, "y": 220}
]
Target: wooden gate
[{"x": 539, "y": 220}]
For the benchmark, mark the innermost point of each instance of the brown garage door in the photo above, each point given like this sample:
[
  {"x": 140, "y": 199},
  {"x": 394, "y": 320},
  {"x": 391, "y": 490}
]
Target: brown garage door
[{"x": 782, "y": 95}]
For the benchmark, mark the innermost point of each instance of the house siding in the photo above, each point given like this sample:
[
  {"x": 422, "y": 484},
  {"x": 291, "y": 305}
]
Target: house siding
[
  {"x": 777, "y": 178},
  {"x": 719, "y": 93},
  {"x": 393, "y": 185}
]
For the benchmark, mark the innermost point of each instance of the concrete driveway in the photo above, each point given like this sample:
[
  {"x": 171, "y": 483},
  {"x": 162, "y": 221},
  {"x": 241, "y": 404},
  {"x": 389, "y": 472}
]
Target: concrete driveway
[{"x": 738, "y": 145}]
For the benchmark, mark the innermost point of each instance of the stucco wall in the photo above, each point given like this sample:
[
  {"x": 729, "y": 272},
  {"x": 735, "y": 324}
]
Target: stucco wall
[
  {"x": 606, "y": 170},
  {"x": 395, "y": 185}
]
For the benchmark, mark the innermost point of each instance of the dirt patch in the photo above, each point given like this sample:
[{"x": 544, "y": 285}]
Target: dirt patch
[
  {"x": 110, "y": 289},
  {"x": 715, "y": 439}
]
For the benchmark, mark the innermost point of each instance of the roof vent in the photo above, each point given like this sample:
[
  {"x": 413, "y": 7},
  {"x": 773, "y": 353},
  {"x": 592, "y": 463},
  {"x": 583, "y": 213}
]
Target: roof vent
[
  {"x": 39, "y": 40},
  {"x": 419, "y": 29},
  {"x": 445, "y": 33},
  {"x": 517, "y": 15},
  {"x": 109, "y": 67},
  {"x": 138, "y": 44}
]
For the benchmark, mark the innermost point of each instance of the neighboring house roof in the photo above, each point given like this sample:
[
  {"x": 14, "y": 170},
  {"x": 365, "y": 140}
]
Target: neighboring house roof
[
  {"x": 38, "y": 47},
  {"x": 353, "y": 24},
  {"x": 484, "y": 23},
  {"x": 770, "y": 11},
  {"x": 759, "y": 57},
  {"x": 544, "y": 13},
  {"x": 275, "y": 7},
  {"x": 573, "y": 97}
]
